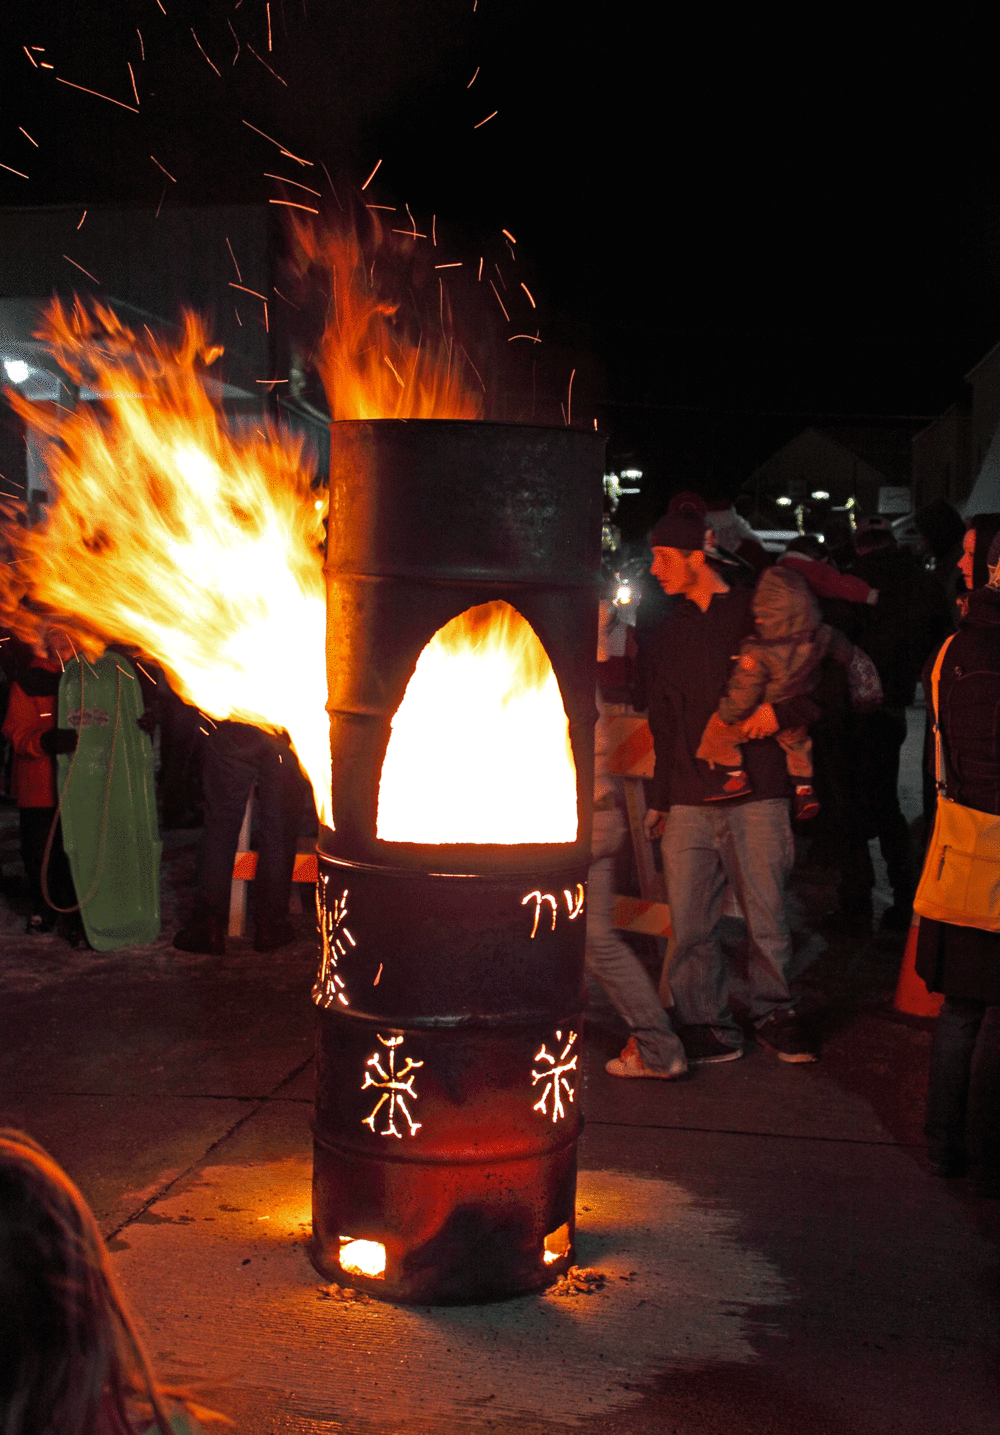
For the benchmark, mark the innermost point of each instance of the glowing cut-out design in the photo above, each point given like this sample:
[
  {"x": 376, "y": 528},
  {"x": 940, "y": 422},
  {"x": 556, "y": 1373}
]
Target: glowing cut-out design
[
  {"x": 363, "y": 1258},
  {"x": 557, "y": 1244},
  {"x": 574, "y": 905},
  {"x": 555, "y": 1077},
  {"x": 574, "y": 901},
  {"x": 538, "y": 898},
  {"x": 332, "y": 917},
  {"x": 392, "y": 1085}
]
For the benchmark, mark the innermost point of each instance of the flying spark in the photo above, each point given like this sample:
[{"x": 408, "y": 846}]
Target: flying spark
[
  {"x": 569, "y": 399},
  {"x": 281, "y": 178},
  {"x": 290, "y": 204},
  {"x": 131, "y": 75},
  {"x": 81, "y": 268},
  {"x": 269, "y": 45},
  {"x": 199, "y": 44},
  {"x": 265, "y": 64},
  {"x": 533, "y": 337},
  {"x": 409, "y": 233},
  {"x": 236, "y": 38},
  {"x": 14, "y": 171},
  {"x": 528, "y": 292},
  {"x": 142, "y": 48},
  {"x": 246, "y": 290},
  {"x": 390, "y": 207},
  {"x": 121, "y": 103},
  {"x": 82, "y": 218},
  {"x": 233, "y": 258},
  {"x": 287, "y": 152},
  {"x": 456, "y": 264},
  {"x": 488, "y": 118},
  {"x": 499, "y": 300},
  {"x": 472, "y": 81},
  {"x": 30, "y": 56},
  {"x": 509, "y": 235},
  {"x": 160, "y": 166},
  {"x": 370, "y": 177},
  {"x": 27, "y": 136}
]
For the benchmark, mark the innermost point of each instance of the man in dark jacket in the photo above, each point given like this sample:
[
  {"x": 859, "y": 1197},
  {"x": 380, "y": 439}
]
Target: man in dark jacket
[
  {"x": 909, "y": 621},
  {"x": 707, "y": 843}
]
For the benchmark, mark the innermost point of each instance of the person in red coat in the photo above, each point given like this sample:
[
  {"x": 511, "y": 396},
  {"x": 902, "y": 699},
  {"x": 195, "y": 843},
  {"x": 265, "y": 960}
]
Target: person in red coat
[{"x": 30, "y": 727}]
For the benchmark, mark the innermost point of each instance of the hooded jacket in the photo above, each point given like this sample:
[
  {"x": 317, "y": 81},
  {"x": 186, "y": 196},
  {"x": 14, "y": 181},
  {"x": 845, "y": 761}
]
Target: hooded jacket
[{"x": 781, "y": 660}]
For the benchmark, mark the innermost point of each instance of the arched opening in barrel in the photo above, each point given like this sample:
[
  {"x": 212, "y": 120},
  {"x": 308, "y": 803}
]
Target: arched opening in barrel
[{"x": 480, "y": 748}]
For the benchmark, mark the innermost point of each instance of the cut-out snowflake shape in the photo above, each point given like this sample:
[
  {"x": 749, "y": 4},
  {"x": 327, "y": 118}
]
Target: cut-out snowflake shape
[
  {"x": 554, "y": 1075},
  {"x": 394, "y": 1085},
  {"x": 332, "y": 918}
]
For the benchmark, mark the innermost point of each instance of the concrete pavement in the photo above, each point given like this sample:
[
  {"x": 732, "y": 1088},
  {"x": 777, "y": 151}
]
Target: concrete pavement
[{"x": 777, "y": 1255}]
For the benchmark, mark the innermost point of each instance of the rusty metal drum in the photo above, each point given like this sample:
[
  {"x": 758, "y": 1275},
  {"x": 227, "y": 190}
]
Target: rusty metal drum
[{"x": 449, "y": 989}]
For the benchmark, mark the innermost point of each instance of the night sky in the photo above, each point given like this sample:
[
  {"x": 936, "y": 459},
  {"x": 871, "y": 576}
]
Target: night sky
[{"x": 730, "y": 224}]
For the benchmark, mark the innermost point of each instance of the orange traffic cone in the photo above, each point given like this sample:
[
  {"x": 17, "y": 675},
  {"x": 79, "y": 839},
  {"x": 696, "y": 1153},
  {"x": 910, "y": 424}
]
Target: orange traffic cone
[{"x": 912, "y": 996}]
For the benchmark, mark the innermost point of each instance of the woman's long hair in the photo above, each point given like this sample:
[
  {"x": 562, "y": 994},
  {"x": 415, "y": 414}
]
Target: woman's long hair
[{"x": 70, "y": 1360}]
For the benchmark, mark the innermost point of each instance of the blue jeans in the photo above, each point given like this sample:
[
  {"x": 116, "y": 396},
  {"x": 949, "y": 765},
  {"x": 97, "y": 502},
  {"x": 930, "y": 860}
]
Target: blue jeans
[
  {"x": 749, "y": 845},
  {"x": 963, "y": 1098},
  {"x": 613, "y": 962}
]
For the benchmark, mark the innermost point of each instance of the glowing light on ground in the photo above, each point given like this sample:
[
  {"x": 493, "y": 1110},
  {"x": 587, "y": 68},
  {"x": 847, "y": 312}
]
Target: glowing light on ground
[{"x": 480, "y": 748}]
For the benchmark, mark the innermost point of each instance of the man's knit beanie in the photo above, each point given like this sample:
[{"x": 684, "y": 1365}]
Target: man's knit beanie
[{"x": 683, "y": 525}]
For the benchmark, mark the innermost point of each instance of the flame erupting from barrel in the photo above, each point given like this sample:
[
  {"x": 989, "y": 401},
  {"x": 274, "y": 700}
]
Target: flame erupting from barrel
[
  {"x": 480, "y": 749},
  {"x": 177, "y": 533},
  {"x": 376, "y": 362}
]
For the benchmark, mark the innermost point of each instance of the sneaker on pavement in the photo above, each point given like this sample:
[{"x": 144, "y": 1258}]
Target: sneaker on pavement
[
  {"x": 703, "y": 1046},
  {"x": 783, "y": 1035},
  {"x": 630, "y": 1063}
]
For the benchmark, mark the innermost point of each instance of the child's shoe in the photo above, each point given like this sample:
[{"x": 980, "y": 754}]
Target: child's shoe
[
  {"x": 804, "y": 804},
  {"x": 723, "y": 782}
]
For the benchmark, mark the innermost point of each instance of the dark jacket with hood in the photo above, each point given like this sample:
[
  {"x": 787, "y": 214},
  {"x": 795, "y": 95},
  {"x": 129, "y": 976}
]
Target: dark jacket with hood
[
  {"x": 782, "y": 659},
  {"x": 964, "y": 962},
  {"x": 910, "y": 620}
]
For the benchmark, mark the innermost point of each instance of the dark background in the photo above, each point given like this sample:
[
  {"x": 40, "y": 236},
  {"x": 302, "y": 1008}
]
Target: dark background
[{"x": 733, "y": 225}]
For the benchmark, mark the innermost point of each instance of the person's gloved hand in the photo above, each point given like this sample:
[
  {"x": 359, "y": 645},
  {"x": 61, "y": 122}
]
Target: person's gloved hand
[{"x": 58, "y": 739}]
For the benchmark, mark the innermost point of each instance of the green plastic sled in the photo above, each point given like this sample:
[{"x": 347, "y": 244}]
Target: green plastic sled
[{"x": 109, "y": 824}]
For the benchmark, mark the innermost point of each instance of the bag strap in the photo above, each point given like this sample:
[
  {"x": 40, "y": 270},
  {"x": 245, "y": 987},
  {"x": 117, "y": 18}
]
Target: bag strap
[{"x": 939, "y": 772}]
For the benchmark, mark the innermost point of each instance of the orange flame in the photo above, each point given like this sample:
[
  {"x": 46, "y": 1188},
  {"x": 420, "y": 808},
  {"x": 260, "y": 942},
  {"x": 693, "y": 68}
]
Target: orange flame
[
  {"x": 178, "y": 534},
  {"x": 372, "y": 367},
  {"x": 480, "y": 749}
]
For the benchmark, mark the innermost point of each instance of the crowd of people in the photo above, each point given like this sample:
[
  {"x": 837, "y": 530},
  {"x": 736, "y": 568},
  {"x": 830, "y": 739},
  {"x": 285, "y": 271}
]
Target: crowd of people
[{"x": 777, "y": 692}]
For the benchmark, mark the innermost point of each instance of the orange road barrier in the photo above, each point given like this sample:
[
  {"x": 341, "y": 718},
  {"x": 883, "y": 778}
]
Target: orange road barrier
[
  {"x": 632, "y": 914},
  {"x": 631, "y": 750},
  {"x": 912, "y": 996},
  {"x": 245, "y": 867}
]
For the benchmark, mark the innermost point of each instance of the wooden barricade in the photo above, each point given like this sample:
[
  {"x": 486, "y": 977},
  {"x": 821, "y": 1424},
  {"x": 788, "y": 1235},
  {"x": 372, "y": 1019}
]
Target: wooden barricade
[{"x": 245, "y": 869}]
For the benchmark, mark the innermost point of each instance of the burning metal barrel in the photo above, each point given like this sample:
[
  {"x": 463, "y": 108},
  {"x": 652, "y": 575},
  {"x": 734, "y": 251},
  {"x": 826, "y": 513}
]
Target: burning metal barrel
[{"x": 462, "y": 569}]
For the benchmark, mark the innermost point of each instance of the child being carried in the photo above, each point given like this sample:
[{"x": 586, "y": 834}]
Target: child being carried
[{"x": 780, "y": 661}]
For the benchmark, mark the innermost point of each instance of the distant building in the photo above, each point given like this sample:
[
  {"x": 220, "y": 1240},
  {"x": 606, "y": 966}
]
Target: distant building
[{"x": 833, "y": 469}]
